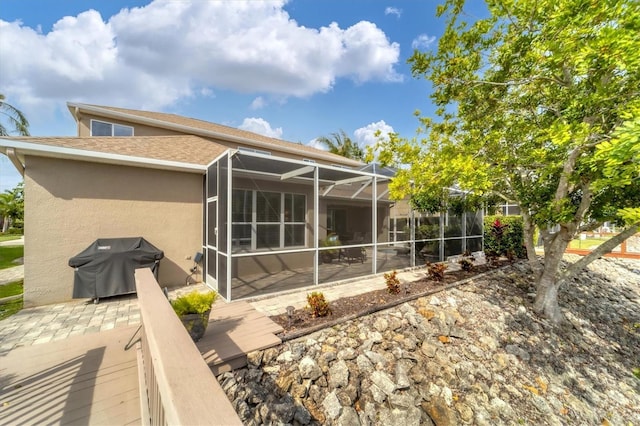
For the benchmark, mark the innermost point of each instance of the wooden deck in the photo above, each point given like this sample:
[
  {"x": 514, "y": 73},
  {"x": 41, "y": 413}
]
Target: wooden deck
[
  {"x": 93, "y": 380},
  {"x": 234, "y": 330},
  {"x": 88, "y": 379}
]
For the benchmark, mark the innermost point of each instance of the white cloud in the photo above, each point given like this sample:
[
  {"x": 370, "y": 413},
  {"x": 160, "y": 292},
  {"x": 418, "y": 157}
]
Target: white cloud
[
  {"x": 366, "y": 136},
  {"x": 260, "y": 126},
  {"x": 315, "y": 144},
  {"x": 168, "y": 50},
  {"x": 258, "y": 103},
  {"x": 423, "y": 41},
  {"x": 393, "y": 11}
]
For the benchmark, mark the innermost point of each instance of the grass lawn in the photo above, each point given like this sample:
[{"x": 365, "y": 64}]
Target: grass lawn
[
  {"x": 9, "y": 237},
  {"x": 11, "y": 289},
  {"x": 9, "y": 254},
  {"x": 9, "y": 308},
  {"x": 587, "y": 244}
]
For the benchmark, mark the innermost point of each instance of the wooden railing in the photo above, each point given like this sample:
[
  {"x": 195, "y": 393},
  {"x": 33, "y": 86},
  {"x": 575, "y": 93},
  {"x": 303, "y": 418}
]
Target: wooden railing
[{"x": 180, "y": 387}]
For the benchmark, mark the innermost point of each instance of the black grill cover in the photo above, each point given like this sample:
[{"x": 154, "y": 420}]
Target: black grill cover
[{"x": 106, "y": 267}]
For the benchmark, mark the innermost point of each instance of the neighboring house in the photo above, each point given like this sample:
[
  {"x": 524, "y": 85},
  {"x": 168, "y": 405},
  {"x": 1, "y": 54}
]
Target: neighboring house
[{"x": 259, "y": 209}]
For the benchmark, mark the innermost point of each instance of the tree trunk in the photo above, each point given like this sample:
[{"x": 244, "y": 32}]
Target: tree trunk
[
  {"x": 529, "y": 230},
  {"x": 546, "y": 303},
  {"x": 549, "y": 282}
]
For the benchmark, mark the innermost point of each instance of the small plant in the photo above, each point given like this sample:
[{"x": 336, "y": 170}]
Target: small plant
[
  {"x": 436, "y": 271},
  {"x": 466, "y": 264},
  {"x": 194, "y": 303},
  {"x": 393, "y": 283},
  {"x": 318, "y": 305}
]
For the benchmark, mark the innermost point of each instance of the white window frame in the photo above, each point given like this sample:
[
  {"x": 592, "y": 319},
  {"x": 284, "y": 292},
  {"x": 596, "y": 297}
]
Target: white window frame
[
  {"x": 281, "y": 222},
  {"x": 113, "y": 127}
]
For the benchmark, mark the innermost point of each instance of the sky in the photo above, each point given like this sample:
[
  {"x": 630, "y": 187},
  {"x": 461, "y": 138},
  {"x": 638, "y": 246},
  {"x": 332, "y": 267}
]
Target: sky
[{"x": 294, "y": 70}]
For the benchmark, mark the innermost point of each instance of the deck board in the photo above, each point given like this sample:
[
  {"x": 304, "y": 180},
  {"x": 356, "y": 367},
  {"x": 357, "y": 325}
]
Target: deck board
[
  {"x": 86, "y": 379},
  {"x": 234, "y": 330}
]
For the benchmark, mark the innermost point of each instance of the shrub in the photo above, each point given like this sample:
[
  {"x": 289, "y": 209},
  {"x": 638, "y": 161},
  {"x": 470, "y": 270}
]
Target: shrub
[
  {"x": 393, "y": 283},
  {"x": 466, "y": 264},
  {"x": 436, "y": 271},
  {"x": 318, "y": 305},
  {"x": 503, "y": 236},
  {"x": 194, "y": 303}
]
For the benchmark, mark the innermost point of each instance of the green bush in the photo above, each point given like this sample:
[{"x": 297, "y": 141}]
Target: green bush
[
  {"x": 503, "y": 236},
  {"x": 194, "y": 303}
]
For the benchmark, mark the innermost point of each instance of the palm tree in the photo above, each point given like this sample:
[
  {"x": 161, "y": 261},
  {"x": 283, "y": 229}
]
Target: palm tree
[
  {"x": 341, "y": 144},
  {"x": 11, "y": 206},
  {"x": 17, "y": 121}
]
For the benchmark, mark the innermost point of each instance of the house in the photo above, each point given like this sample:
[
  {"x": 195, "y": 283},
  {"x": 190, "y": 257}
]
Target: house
[{"x": 259, "y": 209}]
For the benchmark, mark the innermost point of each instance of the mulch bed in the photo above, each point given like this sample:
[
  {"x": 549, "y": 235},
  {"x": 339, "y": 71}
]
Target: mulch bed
[{"x": 348, "y": 308}]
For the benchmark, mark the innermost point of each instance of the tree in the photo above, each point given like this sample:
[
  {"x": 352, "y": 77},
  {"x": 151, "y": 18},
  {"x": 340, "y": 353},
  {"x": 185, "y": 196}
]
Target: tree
[
  {"x": 12, "y": 206},
  {"x": 17, "y": 121},
  {"x": 341, "y": 144},
  {"x": 538, "y": 104}
]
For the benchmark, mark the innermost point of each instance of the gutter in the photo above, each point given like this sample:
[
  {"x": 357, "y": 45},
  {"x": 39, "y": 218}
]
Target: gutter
[
  {"x": 207, "y": 133},
  {"x": 13, "y": 156}
]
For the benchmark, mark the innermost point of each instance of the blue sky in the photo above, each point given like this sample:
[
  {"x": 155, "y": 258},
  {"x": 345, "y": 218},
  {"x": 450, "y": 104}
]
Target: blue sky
[{"x": 294, "y": 69}]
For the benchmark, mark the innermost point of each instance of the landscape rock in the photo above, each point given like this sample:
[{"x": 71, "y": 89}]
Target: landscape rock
[{"x": 473, "y": 354}]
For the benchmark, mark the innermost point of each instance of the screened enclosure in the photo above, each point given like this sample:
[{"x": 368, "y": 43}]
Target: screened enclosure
[{"x": 274, "y": 224}]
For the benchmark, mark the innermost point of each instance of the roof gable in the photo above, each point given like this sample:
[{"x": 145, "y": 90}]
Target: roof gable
[{"x": 208, "y": 129}]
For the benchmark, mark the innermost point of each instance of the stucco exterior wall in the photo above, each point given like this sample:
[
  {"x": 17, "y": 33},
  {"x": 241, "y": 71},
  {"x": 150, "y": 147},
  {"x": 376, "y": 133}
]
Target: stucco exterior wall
[{"x": 69, "y": 204}]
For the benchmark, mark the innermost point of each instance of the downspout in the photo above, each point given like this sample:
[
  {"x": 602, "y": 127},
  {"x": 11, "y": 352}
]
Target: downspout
[
  {"x": 76, "y": 115},
  {"x": 13, "y": 156}
]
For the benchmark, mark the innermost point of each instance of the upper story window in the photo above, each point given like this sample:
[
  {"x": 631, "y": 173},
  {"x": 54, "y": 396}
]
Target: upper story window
[{"x": 102, "y": 128}]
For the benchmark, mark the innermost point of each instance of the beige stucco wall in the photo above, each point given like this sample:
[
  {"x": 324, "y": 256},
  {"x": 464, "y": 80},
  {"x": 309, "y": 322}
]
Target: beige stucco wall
[{"x": 69, "y": 204}]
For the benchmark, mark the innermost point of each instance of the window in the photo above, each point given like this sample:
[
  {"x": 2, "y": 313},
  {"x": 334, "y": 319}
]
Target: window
[
  {"x": 267, "y": 220},
  {"x": 101, "y": 128}
]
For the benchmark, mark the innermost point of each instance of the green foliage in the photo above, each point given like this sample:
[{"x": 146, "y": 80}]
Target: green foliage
[
  {"x": 10, "y": 308},
  {"x": 8, "y": 254},
  {"x": 503, "y": 236},
  {"x": 636, "y": 372},
  {"x": 317, "y": 305},
  {"x": 341, "y": 144},
  {"x": 392, "y": 281},
  {"x": 11, "y": 289},
  {"x": 435, "y": 271},
  {"x": 17, "y": 122},
  {"x": 539, "y": 104},
  {"x": 194, "y": 303},
  {"x": 12, "y": 209}
]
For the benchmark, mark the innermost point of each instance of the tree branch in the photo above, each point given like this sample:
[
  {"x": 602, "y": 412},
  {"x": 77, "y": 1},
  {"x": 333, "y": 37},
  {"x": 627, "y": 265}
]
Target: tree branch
[
  {"x": 590, "y": 226},
  {"x": 601, "y": 250}
]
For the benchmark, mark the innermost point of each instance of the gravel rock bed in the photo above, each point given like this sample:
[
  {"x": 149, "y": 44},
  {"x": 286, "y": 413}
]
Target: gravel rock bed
[{"x": 473, "y": 354}]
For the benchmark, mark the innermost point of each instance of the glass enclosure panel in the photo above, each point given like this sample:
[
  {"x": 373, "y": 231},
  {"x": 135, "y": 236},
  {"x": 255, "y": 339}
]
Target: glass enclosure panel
[
  {"x": 241, "y": 205},
  {"x": 452, "y": 247},
  {"x": 428, "y": 251},
  {"x": 427, "y": 227},
  {"x": 263, "y": 274},
  {"x": 474, "y": 223},
  {"x": 212, "y": 220},
  {"x": 222, "y": 276},
  {"x": 452, "y": 225},
  {"x": 211, "y": 263},
  {"x": 294, "y": 235},
  {"x": 212, "y": 180},
  {"x": 241, "y": 237},
  {"x": 267, "y": 236},
  {"x": 344, "y": 263},
  {"x": 474, "y": 244},
  {"x": 400, "y": 229},
  {"x": 393, "y": 257}
]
